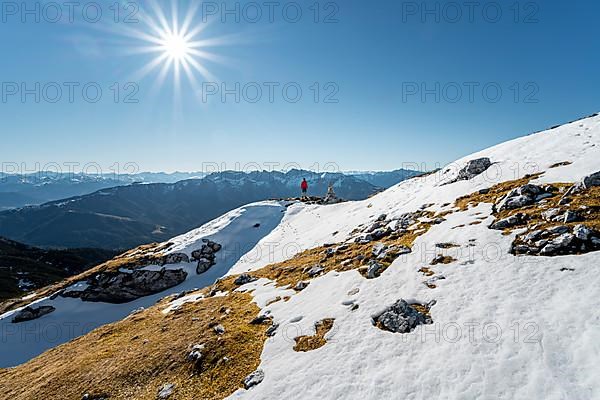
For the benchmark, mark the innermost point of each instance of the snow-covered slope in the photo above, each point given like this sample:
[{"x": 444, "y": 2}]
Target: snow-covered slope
[{"x": 504, "y": 326}]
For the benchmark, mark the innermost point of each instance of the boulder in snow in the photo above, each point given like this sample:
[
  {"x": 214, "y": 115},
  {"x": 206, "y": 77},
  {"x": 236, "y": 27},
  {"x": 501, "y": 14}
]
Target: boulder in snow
[
  {"x": 400, "y": 317},
  {"x": 472, "y": 169}
]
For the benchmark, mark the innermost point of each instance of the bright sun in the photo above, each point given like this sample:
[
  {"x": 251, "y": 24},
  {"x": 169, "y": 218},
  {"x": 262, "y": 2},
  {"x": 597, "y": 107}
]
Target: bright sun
[{"x": 176, "y": 46}]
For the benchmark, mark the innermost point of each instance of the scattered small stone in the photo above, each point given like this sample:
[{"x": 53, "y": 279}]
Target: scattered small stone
[
  {"x": 257, "y": 225},
  {"x": 563, "y": 269},
  {"x": 195, "y": 354},
  {"x": 315, "y": 270},
  {"x": 166, "y": 391},
  {"x": 354, "y": 291},
  {"x": 301, "y": 286},
  {"x": 219, "y": 329}
]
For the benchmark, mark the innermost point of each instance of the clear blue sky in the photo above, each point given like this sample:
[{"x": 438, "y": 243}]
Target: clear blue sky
[{"x": 376, "y": 54}]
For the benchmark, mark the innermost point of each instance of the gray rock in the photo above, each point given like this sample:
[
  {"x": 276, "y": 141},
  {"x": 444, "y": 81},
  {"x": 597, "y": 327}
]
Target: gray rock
[
  {"x": 571, "y": 216},
  {"x": 195, "y": 355},
  {"x": 509, "y": 222},
  {"x": 176, "y": 258},
  {"x": 378, "y": 249},
  {"x": 204, "y": 265},
  {"x": 30, "y": 313},
  {"x": 591, "y": 180},
  {"x": 364, "y": 238},
  {"x": 473, "y": 168},
  {"x": 380, "y": 233},
  {"x": 315, "y": 270},
  {"x": 558, "y": 230},
  {"x": 244, "y": 279},
  {"x": 558, "y": 245},
  {"x": 522, "y": 196},
  {"x": 272, "y": 330},
  {"x": 165, "y": 391},
  {"x": 532, "y": 236},
  {"x": 261, "y": 319},
  {"x": 382, "y": 217},
  {"x": 254, "y": 379},
  {"x": 301, "y": 286},
  {"x": 582, "y": 232},
  {"x": 219, "y": 329},
  {"x": 374, "y": 270},
  {"x": 122, "y": 287},
  {"x": 549, "y": 214},
  {"x": 400, "y": 318}
]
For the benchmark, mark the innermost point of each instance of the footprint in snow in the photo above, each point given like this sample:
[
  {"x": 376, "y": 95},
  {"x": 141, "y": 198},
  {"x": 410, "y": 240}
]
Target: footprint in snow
[{"x": 296, "y": 319}]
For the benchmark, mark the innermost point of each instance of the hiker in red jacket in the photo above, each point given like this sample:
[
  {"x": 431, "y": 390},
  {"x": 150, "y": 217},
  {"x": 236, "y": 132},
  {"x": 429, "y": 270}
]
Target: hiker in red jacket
[{"x": 304, "y": 187}]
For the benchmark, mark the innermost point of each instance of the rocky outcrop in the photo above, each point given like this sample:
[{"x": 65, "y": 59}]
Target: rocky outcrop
[
  {"x": 122, "y": 287},
  {"x": 400, "y": 317},
  {"x": 588, "y": 182},
  {"x": 523, "y": 196},
  {"x": 558, "y": 240},
  {"x": 472, "y": 169},
  {"x": 206, "y": 255},
  {"x": 31, "y": 313}
]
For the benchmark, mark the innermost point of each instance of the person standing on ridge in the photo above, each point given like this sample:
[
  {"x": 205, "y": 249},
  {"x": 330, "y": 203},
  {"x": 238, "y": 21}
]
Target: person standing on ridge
[{"x": 304, "y": 187}]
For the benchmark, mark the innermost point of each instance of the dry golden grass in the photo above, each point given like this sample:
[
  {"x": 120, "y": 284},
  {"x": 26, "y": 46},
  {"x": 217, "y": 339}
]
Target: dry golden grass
[
  {"x": 308, "y": 343},
  {"x": 133, "y": 358}
]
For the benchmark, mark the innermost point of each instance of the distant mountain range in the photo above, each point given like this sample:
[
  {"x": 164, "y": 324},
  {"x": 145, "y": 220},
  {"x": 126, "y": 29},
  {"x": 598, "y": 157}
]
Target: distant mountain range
[
  {"x": 123, "y": 217},
  {"x": 24, "y": 268},
  {"x": 44, "y": 186}
]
